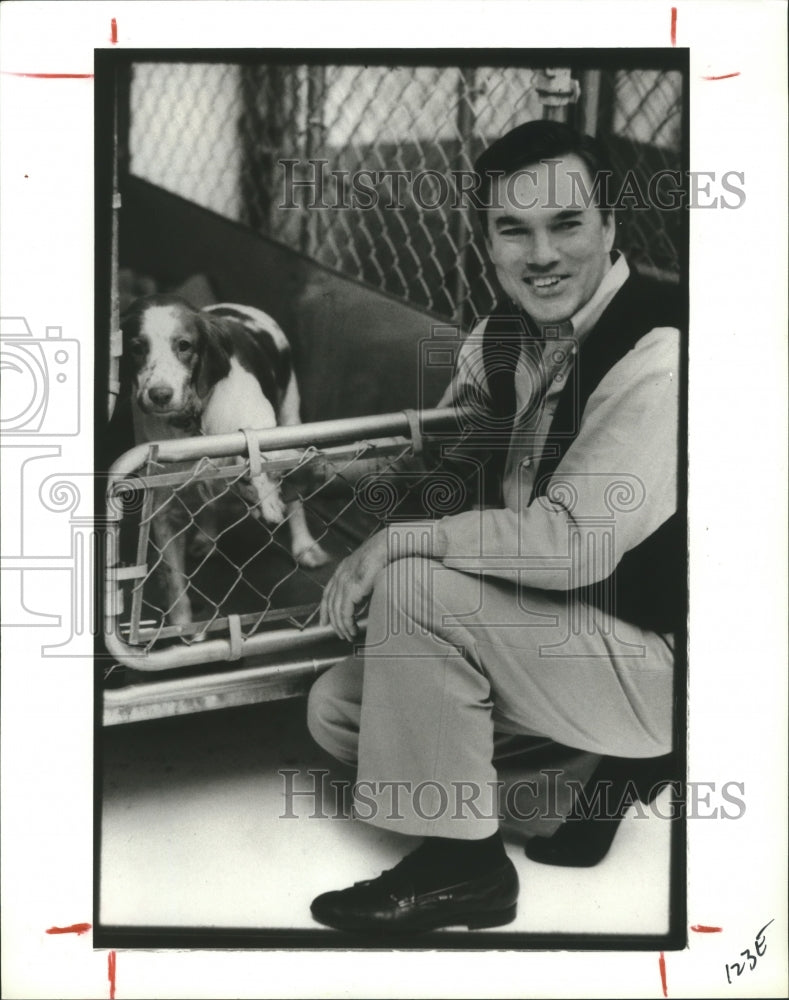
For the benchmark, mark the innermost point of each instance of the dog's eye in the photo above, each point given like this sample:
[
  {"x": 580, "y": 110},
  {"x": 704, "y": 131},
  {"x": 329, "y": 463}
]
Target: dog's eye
[
  {"x": 184, "y": 346},
  {"x": 137, "y": 347}
]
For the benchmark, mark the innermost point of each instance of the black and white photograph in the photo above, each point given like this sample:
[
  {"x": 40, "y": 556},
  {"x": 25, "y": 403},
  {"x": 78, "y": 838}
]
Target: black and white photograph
[
  {"x": 396, "y": 560},
  {"x": 388, "y": 586}
]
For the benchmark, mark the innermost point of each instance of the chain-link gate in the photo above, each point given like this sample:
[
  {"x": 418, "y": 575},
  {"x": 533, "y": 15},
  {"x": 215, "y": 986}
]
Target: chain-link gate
[
  {"x": 314, "y": 156},
  {"x": 243, "y": 590}
]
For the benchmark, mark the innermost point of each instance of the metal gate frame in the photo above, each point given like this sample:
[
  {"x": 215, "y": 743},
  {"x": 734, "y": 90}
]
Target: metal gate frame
[{"x": 366, "y": 440}]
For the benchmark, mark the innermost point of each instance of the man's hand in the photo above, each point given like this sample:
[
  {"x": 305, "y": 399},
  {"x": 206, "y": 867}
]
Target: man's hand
[{"x": 352, "y": 583}]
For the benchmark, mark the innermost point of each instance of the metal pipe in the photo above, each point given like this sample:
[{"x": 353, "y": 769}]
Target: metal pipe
[
  {"x": 460, "y": 226},
  {"x": 315, "y": 147},
  {"x": 325, "y": 460},
  {"x": 214, "y": 683},
  {"x": 588, "y": 106},
  {"x": 185, "y": 695},
  {"x": 216, "y": 650},
  {"x": 115, "y": 323},
  {"x": 299, "y": 436}
]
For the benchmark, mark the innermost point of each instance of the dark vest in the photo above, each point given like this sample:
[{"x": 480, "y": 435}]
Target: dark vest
[{"x": 648, "y": 586}]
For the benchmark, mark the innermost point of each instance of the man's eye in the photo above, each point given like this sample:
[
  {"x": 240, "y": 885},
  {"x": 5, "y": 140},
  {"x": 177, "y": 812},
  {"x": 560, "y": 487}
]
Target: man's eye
[{"x": 568, "y": 224}]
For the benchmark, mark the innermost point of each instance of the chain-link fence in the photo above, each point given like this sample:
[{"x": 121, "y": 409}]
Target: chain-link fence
[
  {"x": 641, "y": 127},
  {"x": 357, "y": 165},
  {"x": 195, "y": 574}
]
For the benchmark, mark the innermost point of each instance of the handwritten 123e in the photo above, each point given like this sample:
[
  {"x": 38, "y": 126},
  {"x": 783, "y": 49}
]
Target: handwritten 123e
[{"x": 759, "y": 944}]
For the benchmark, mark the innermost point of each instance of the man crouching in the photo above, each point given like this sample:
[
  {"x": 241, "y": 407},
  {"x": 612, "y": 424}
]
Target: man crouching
[{"x": 474, "y": 622}]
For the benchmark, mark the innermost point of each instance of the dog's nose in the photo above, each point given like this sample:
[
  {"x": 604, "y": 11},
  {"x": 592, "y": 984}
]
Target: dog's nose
[{"x": 160, "y": 395}]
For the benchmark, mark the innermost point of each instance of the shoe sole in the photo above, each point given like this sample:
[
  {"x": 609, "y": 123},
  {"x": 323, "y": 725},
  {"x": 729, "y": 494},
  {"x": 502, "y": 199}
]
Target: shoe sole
[
  {"x": 565, "y": 861},
  {"x": 497, "y": 919},
  {"x": 473, "y": 921}
]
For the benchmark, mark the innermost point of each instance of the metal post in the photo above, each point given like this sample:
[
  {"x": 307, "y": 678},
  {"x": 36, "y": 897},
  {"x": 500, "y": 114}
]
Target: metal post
[
  {"x": 556, "y": 89},
  {"x": 606, "y": 104},
  {"x": 116, "y": 340},
  {"x": 260, "y": 136},
  {"x": 310, "y": 239},
  {"x": 588, "y": 106},
  {"x": 460, "y": 227}
]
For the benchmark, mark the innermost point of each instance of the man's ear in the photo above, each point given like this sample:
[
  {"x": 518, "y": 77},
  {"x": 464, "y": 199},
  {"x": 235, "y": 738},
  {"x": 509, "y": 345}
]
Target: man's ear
[{"x": 213, "y": 354}]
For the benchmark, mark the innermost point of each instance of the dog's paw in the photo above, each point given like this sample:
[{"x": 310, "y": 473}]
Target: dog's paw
[
  {"x": 181, "y": 615},
  {"x": 272, "y": 509},
  {"x": 268, "y": 501},
  {"x": 311, "y": 556}
]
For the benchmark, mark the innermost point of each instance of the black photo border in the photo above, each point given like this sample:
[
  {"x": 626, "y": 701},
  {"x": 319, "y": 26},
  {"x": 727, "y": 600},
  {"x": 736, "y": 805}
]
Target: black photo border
[{"x": 108, "y": 67}]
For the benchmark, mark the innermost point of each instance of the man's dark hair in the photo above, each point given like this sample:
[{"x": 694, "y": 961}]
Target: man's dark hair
[{"x": 528, "y": 144}]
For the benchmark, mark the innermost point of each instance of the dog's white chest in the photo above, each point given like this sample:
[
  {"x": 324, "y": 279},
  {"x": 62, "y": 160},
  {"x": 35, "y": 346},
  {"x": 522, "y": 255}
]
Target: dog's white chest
[{"x": 236, "y": 402}]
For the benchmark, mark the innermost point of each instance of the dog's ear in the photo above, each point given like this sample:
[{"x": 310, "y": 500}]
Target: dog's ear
[
  {"x": 213, "y": 355},
  {"x": 130, "y": 327}
]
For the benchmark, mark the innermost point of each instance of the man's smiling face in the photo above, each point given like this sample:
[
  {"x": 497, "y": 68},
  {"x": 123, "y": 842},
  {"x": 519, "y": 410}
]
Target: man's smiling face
[{"x": 550, "y": 252}]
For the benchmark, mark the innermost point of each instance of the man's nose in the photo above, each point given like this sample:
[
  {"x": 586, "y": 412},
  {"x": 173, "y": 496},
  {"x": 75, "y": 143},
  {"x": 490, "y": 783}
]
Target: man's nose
[
  {"x": 542, "y": 252},
  {"x": 160, "y": 395}
]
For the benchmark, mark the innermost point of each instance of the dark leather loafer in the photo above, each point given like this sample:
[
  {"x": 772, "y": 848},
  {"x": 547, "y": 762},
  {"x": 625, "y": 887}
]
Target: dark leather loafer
[
  {"x": 391, "y": 903},
  {"x": 585, "y": 838},
  {"x": 578, "y": 843}
]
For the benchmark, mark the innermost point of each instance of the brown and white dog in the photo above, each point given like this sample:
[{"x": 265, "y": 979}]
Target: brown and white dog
[{"x": 210, "y": 371}]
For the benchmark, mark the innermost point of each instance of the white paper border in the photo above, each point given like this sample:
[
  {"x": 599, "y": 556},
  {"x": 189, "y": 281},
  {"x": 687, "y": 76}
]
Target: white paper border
[{"x": 737, "y": 695}]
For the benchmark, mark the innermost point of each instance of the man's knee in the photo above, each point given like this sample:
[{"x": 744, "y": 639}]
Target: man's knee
[
  {"x": 333, "y": 708},
  {"x": 411, "y": 586},
  {"x": 322, "y": 706}
]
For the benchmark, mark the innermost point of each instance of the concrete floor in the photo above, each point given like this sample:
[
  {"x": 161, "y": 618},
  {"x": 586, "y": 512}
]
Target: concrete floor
[{"x": 193, "y": 836}]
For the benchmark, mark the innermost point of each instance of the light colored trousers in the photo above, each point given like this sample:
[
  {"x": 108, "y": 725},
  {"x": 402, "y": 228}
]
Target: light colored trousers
[{"x": 452, "y": 661}]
